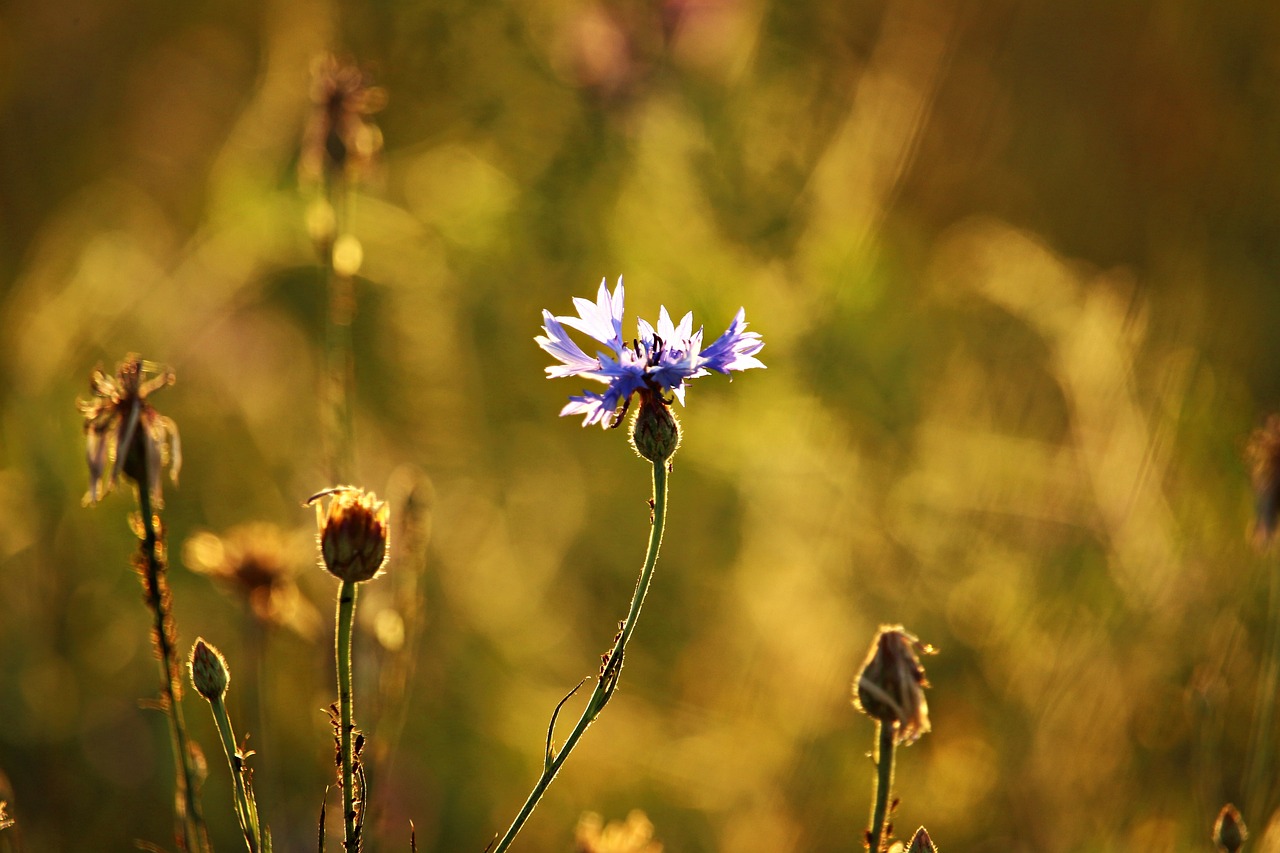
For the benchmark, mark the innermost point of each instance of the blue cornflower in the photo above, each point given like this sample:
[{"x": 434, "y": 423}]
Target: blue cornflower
[{"x": 655, "y": 365}]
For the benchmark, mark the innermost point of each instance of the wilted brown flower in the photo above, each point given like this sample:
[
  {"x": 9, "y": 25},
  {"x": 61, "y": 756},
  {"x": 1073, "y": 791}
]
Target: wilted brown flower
[
  {"x": 890, "y": 687},
  {"x": 124, "y": 434},
  {"x": 1229, "y": 832},
  {"x": 255, "y": 562},
  {"x": 339, "y": 138},
  {"x": 1263, "y": 457},
  {"x": 635, "y": 835},
  {"x": 353, "y": 532}
]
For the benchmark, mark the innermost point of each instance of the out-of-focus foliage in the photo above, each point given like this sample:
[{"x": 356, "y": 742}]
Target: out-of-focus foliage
[{"x": 1016, "y": 266}]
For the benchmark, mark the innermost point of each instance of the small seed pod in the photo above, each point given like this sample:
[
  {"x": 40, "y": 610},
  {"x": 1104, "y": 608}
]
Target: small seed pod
[
  {"x": 353, "y": 533},
  {"x": 209, "y": 673}
]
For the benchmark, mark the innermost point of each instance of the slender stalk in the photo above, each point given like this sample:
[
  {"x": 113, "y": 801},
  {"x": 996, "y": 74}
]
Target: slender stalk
[
  {"x": 246, "y": 808},
  {"x": 884, "y": 785},
  {"x": 612, "y": 669},
  {"x": 1257, "y": 784},
  {"x": 194, "y": 834},
  {"x": 346, "y": 616}
]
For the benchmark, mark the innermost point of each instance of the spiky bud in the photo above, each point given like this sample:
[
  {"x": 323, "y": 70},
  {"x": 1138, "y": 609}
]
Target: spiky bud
[
  {"x": 921, "y": 842},
  {"x": 890, "y": 687},
  {"x": 209, "y": 673},
  {"x": 353, "y": 533},
  {"x": 1229, "y": 831},
  {"x": 655, "y": 432}
]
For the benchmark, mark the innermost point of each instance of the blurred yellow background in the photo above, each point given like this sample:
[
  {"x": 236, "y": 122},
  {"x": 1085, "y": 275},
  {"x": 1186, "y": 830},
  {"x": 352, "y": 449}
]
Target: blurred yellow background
[{"x": 1015, "y": 264}]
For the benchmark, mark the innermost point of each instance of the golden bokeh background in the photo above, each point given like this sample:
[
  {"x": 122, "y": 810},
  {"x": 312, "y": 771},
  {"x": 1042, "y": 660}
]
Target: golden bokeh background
[{"x": 1015, "y": 263}]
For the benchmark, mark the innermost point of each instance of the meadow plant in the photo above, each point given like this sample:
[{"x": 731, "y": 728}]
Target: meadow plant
[
  {"x": 353, "y": 541},
  {"x": 1262, "y": 455},
  {"x": 890, "y": 690},
  {"x": 211, "y": 677},
  {"x": 125, "y": 435},
  {"x": 654, "y": 367},
  {"x": 1229, "y": 831}
]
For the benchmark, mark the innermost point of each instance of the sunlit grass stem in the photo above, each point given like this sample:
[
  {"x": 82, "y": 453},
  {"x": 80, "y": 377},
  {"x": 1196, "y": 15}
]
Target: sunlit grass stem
[
  {"x": 195, "y": 835},
  {"x": 246, "y": 806},
  {"x": 346, "y": 617},
  {"x": 612, "y": 669},
  {"x": 884, "y": 784}
]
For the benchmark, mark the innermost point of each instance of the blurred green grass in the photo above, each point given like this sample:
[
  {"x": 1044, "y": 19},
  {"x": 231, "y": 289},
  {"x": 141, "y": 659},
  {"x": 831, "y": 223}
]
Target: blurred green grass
[{"x": 1015, "y": 265}]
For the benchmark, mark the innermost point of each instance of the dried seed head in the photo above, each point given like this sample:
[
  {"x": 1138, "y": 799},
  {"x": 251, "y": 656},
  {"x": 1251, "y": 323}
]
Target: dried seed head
[
  {"x": 340, "y": 139},
  {"x": 890, "y": 687},
  {"x": 209, "y": 673},
  {"x": 655, "y": 432},
  {"x": 1229, "y": 831},
  {"x": 1263, "y": 457},
  {"x": 124, "y": 434},
  {"x": 353, "y": 533}
]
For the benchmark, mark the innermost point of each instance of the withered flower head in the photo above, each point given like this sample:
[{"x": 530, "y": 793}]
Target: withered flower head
[
  {"x": 635, "y": 835},
  {"x": 209, "y": 673},
  {"x": 890, "y": 687},
  {"x": 339, "y": 139},
  {"x": 1229, "y": 831},
  {"x": 256, "y": 563},
  {"x": 1263, "y": 457},
  {"x": 124, "y": 433},
  {"x": 353, "y": 532}
]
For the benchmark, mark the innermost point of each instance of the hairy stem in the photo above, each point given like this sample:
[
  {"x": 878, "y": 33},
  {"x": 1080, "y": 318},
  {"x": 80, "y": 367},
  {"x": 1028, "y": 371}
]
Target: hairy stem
[
  {"x": 346, "y": 616},
  {"x": 156, "y": 588},
  {"x": 884, "y": 785},
  {"x": 608, "y": 682},
  {"x": 246, "y": 808}
]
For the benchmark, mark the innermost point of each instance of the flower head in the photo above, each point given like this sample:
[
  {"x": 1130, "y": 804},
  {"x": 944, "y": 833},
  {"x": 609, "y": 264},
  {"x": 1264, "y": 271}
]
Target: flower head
[
  {"x": 634, "y": 835},
  {"x": 353, "y": 533},
  {"x": 256, "y": 563},
  {"x": 890, "y": 687},
  {"x": 921, "y": 842},
  {"x": 340, "y": 138},
  {"x": 124, "y": 433},
  {"x": 655, "y": 365}
]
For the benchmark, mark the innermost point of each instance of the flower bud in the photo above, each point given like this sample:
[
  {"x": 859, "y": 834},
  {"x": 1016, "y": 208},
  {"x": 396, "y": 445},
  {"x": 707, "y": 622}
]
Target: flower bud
[
  {"x": 209, "y": 673},
  {"x": 1229, "y": 831},
  {"x": 890, "y": 687},
  {"x": 353, "y": 533},
  {"x": 655, "y": 433},
  {"x": 921, "y": 842}
]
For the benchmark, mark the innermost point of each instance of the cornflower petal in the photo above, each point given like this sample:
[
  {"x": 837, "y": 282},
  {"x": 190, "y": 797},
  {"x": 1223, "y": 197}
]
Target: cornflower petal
[
  {"x": 601, "y": 319},
  {"x": 558, "y": 343},
  {"x": 735, "y": 349}
]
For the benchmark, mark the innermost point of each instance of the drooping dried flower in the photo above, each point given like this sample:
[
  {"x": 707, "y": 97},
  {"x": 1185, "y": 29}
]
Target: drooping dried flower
[
  {"x": 340, "y": 140},
  {"x": 353, "y": 533},
  {"x": 124, "y": 434},
  {"x": 890, "y": 687},
  {"x": 635, "y": 835},
  {"x": 255, "y": 563},
  {"x": 1229, "y": 832},
  {"x": 1263, "y": 457}
]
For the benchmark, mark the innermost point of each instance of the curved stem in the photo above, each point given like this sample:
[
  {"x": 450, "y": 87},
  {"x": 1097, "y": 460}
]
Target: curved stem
[
  {"x": 884, "y": 785},
  {"x": 608, "y": 681},
  {"x": 155, "y": 586},
  {"x": 346, "y": 616}
]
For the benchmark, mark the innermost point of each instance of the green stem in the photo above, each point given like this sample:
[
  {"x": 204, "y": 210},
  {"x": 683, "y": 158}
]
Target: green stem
[
  {"x": 246, "y": 808},
  {"x": 608, "y": 682},
  {"x": 187, "y": 804},
  {"x": 884, "y": 785},
  {"x": 346, "y": 616},
  {"x": 1257, "y": 785}
]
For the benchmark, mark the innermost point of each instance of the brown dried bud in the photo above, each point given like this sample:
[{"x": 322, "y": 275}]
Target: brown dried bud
[
  {"x": 209, "y": 673},
  {"x": 890, "y": 687},
  {"x": 1229, "y": 831},
  {"x": 353, "y": 533}
]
